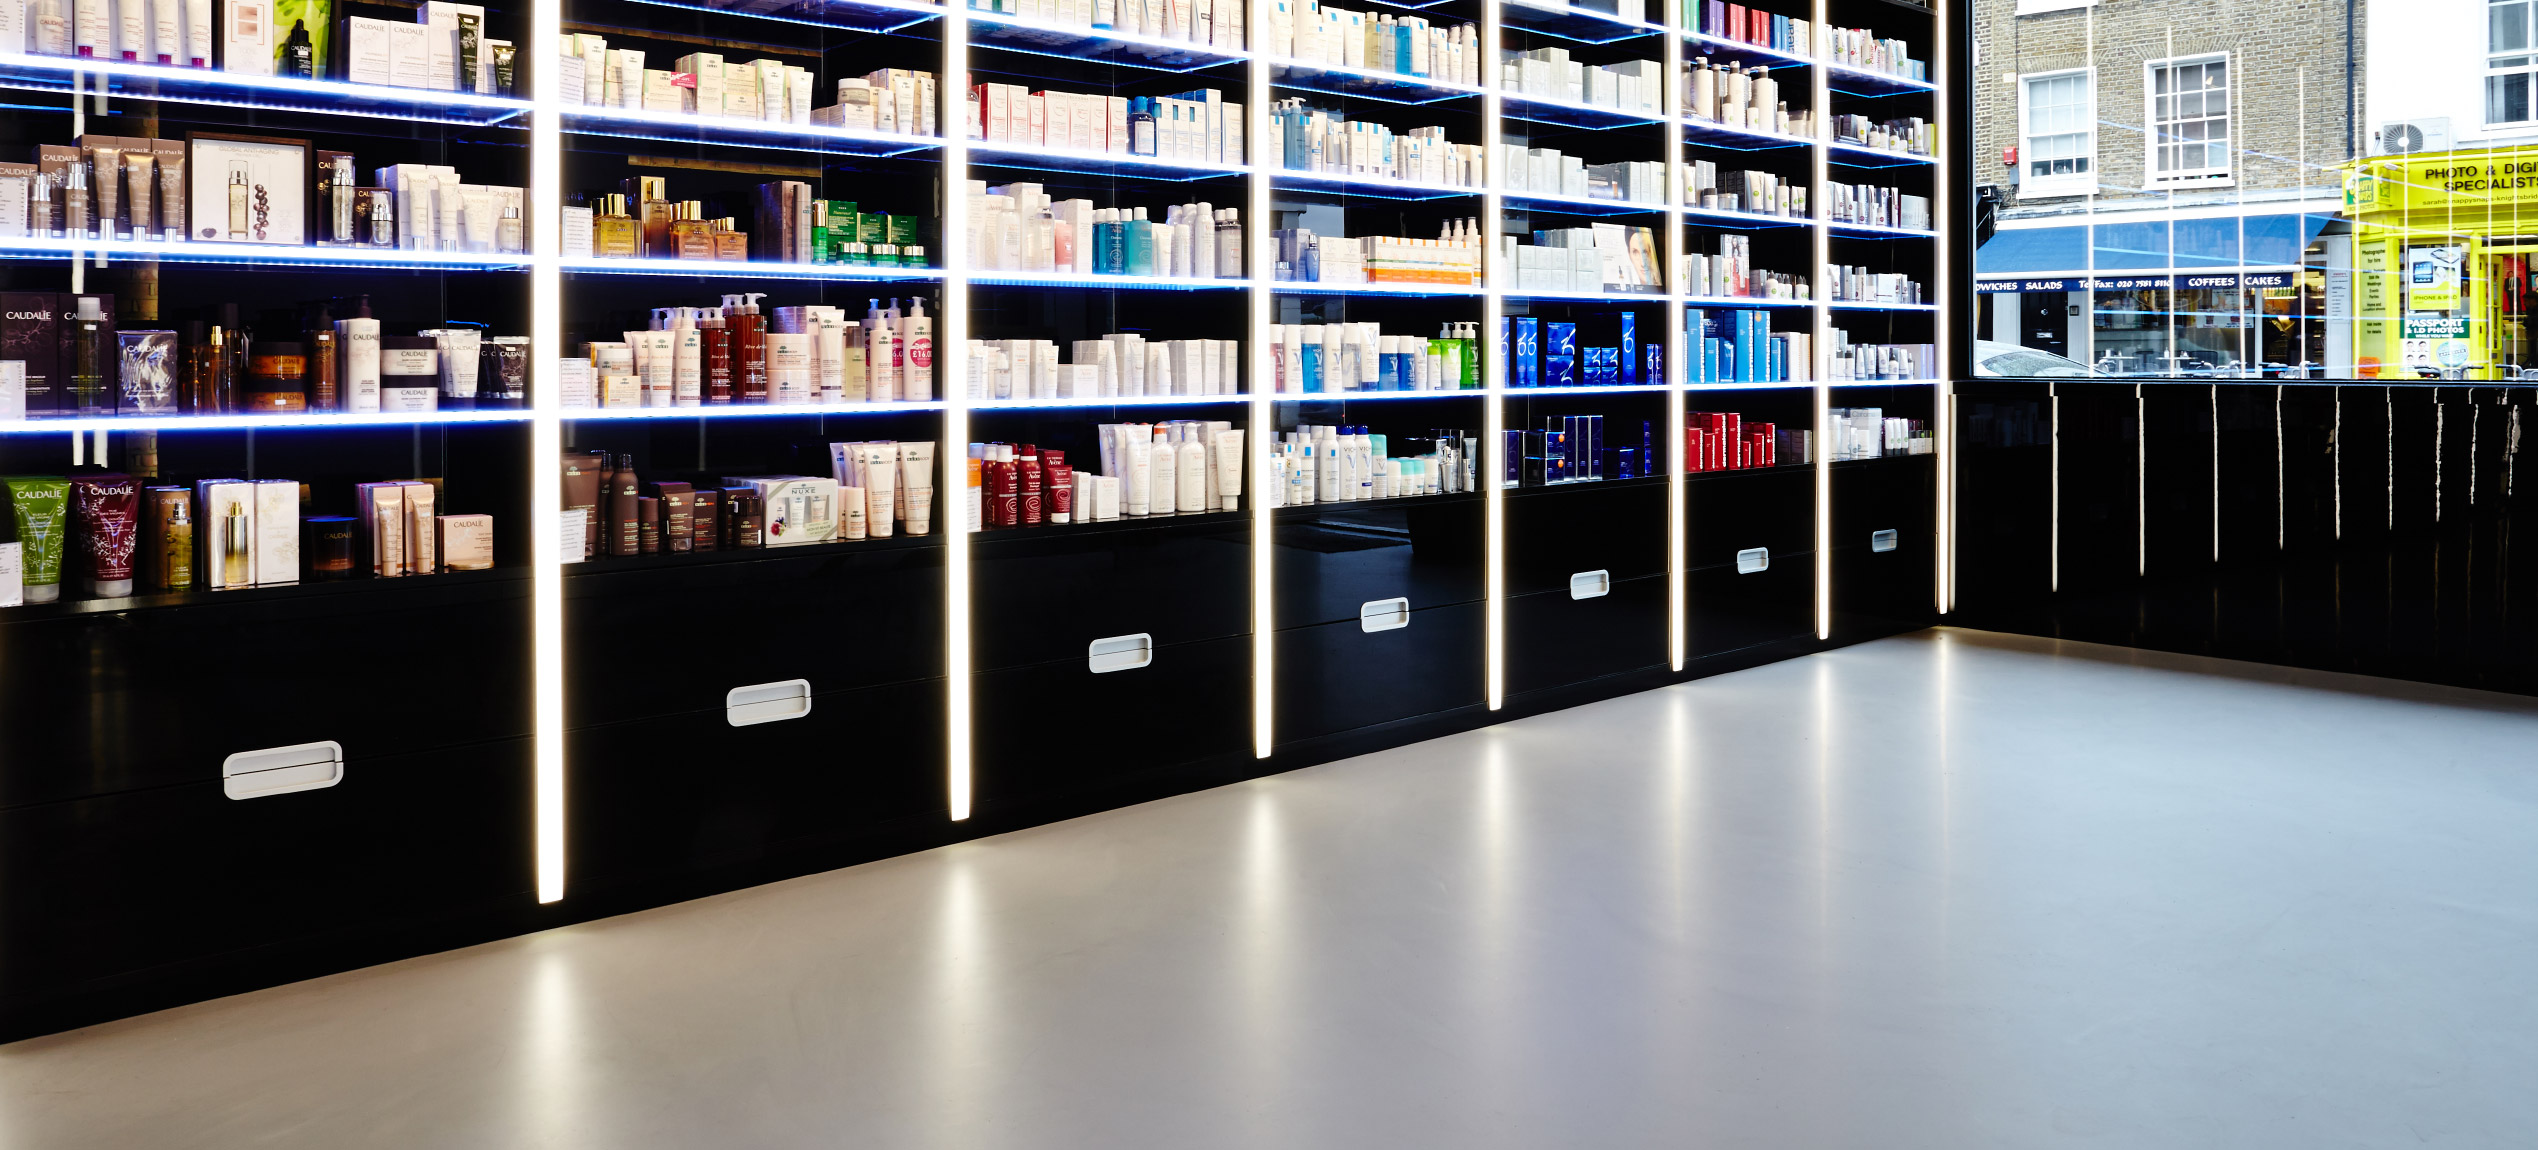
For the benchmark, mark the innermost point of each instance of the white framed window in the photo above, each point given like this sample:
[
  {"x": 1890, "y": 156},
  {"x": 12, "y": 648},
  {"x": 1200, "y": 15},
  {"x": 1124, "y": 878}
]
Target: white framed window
[
  {"x": 2057, "y": 133},
  {"x": 2040, "y": 7},
  {"x": 2189, "y": 121},
  {"x": 2511, "y": 58}
]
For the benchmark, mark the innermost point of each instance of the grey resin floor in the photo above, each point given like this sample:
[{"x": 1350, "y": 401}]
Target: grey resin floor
[{"x": 1950, "y": 890}]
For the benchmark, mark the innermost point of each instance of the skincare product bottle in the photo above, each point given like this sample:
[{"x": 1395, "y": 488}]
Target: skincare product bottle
[
  {"x": 916, "y": 356},
  {"x": 87, "y": 372},
  {"x": 509, "y": 234},
  {"x": 881, "y": 354},
  {"x": 614, "y": 232},
  {"x": 75, "y": 221},
  {"x": 715, "y": 337},
  {"x": 236, "y": 536},
  {"x": 359, "y": 340},
  {"x": 299, "y": 57},
  {"x": 176, "y": 547},
  {"x": 625, "y": 509},
  {"x": 748, "y": 346},
  {"x": 323, "y": 364},
  {"x": 239, "y": 192}
]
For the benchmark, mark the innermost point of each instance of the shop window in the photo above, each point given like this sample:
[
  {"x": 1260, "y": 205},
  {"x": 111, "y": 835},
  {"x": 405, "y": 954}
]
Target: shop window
[
  {"x": 2511, "y": 55},
  {"x": 2058, "y": 152},
  {"x": 2190, "y": 121}
]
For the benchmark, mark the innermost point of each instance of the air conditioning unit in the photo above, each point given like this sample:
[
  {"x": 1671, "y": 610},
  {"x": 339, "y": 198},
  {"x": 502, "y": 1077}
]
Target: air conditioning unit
[{"x": 2404, "y": 137}]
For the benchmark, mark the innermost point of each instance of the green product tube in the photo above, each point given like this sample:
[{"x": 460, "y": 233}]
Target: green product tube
[{"x": 39, "y": 507}]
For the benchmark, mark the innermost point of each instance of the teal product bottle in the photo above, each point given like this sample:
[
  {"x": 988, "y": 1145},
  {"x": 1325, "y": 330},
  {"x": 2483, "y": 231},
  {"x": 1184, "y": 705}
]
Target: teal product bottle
[{"x": 1140, "y": 245}]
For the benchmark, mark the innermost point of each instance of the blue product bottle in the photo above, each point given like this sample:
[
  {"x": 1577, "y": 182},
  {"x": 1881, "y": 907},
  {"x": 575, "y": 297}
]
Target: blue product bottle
[
  {"x": 1655, "y": 354},
  {"x": 1140, "y": 245},
  {"x": 1528, "y": 348},
  {"x": 1110, "y": 248},
  {"x": 1630, "y": 349},
  {"x": 1312, "y": 365},
  {"x": 1388, "y": 370},
  {"x": 1141, "y": 135}
]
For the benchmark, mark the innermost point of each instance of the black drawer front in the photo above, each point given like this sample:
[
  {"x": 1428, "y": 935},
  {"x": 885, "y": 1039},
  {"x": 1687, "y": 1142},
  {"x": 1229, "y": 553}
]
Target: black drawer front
[
  {"x": 94, "y": 704},
  {"x": 1330, "y": 564},
  {"x": 1730, "y": 612},
  {"x": 1736, "y": 510},
  {"x": 668, "y": 638},
  {"x": 1898, "y": 495},
  {"x": 1556, "y": 641},
  {"x": 1553, "y": 533},
  {"x": 1042, "y": 597},
  {"x": 1337, "y": 677},
  {"x": 690, "y": 792},
  {"x": 1058, "y": 728},
  {"x": 1883, "y": 590},
  {"x": 111, "y": 885}
]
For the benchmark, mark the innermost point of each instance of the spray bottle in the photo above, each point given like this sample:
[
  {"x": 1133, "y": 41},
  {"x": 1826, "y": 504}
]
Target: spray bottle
[
  {"x": 881, "y": 352},
  {"x": 916, "y": 354}
]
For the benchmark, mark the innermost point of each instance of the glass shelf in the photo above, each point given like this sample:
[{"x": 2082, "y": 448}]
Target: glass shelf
[
  {"x": 1582, "y": 25},
  {"x": 1564, "y": 114},
  {"x": 1009, "y": 278},
  {"x": 740, "y": 269},
  {"x": 749, "y": 410},
  {"x": 1576, "y": 205},
  {"x": 1862, "y": 156},
  {"x": 1084, "y": 42},
  {"x": 1585, "y": 296},
  {"x": 1713, "y": 134},
  {"x": 1390, "y": 87},
  {"x": 1368, "y": 187},
  {"x": 1119, "y": 164},
  {"x": 261, "y": 255},
  {"x": 1878, "y": 232},
  {"x": 1367, "y": 396},
  {"x": 1858, "y": 305},
  {"x": 1878, "y": 383},
  {"x": 1309, "y": 287},
  {"x": 1586, "y": 389},
  {"x": 1747, "y": 219},
  {"x": 1108, "y": 401},
  {"x": 853, "y": 15},
  {"x": 1851, "y": 81},
  {"x": 684, "y": 128},
  {"x": 256, "y": 421},
  {"x": 1738, "y": 302},
  {"x": 271, "y": 93},
  {"x": 1715, "y": 47}
]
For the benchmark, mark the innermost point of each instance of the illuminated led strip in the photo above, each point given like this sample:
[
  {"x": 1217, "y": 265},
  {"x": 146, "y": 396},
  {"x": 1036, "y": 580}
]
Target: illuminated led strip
[
  {"x": 545, "y": 196},
  {"x": 744, "y": 411},
  {"x": 250, "y": 421},
  {"x": 1678, "y": 528},
  {"x": 253, "y": 255},
  {"x": 1820, "y": 158},
  {"x": 1493, "y": 413},
  {"x": 951, "y": 355},
  {"x": 1943, "y": 389},
  {"x": 270, "y": 93},
  {"x": 1258, "y": 260},
  {"x": 741, "y": 269}
]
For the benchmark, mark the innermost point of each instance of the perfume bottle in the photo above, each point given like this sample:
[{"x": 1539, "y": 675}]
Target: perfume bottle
[
  {"x": 237, "y": 202},
  {"x": 509, "y": 234},
  {"x": 176, "y": 557},
  {"x": 691, "y": 238},
  {"x": 87, "y": 370},
  {"x": 614, "y": 234},
  {"x": 656, "y": 211},
  {"x": 233, "y": 547},
  {"x": 730, "y": 243}
]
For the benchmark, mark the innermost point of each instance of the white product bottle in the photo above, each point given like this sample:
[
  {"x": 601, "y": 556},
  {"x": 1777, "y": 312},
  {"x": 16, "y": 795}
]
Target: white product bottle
[
  {"x": 1164, "y": 494},
  {"x": 198, "y": 33},
  {"x": 49, "y": 23},
  {"x": 167, "y": 31},
  {"x": 687, "y": 355},
  {"x": 916, "y": 342},
  {"x": 829, "y": 360},
  {"x": 358, "y": 337},
  {"x": 1229, "y": 244},
  {"x": 91, "y": 29},
  {"x": 132, "y": 29},
  {"x": 1140, "y": 474},
  {"x": 1195, "y": 474},
  {"x": 881, "y": 354}
]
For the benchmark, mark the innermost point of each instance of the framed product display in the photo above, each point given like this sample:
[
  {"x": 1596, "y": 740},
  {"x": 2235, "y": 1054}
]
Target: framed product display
[{"x": 248, "y": 189}]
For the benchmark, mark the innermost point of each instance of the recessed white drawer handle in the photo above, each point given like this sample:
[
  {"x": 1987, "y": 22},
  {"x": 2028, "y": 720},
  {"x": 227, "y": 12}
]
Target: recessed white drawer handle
[
  {"x": 767, "y": 703},
  {"x": 1590, "y": 584},
  {"x": 1882, "y": 540},
  {"x": 1753, "y": 560},
  {"x": 1383, "y": 615},
  {"x": 282, "y": 770},
  {"x": 1119, "y": 653}
]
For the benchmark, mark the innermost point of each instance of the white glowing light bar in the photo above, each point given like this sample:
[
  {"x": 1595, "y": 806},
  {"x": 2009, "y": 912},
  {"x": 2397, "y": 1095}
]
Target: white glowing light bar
[
  {"x": 1108, "y": 45},
  {"x": 1261, "y": 256},
  {"x": 545, "y": 195},
  {"x": 1107, "y": 401},
  {"x": 1390, "y": 87},
  {"x": 238, "y": 90},
  {"x": 1678, "y": 525},
  {"x": 1072, "y": 160},
  {"x": 1493, "y": 415},
  {"x": 598, "y": 119},
  {"x": 260, "y": 255},
  {"x": 1366, "y": 396},
  {"x": 1373, "y": 187},
  {"x": 1820, "y": 160},
  {"x": 255, "y": 422},
  {"x": 1943, "y": 393},
  {"x": 1006, "y": 278},
  {"x": 951, "y": 357},
  {"x": 745, "y": 410},
  {"x": 1312, "y": 287},
  {"x": 741, "y": 269}
]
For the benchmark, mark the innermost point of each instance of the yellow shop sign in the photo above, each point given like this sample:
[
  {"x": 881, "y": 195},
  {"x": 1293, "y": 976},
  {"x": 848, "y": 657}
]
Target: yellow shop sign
[{"x": 2464, "y": 180}]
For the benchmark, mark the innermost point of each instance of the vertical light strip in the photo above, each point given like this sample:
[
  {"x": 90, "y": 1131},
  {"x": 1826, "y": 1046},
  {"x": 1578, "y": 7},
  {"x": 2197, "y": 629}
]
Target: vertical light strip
[
  {"x": 1494, "y": 280},
  {"x": 1259, "y": 258},
  {"x": 1678, "y": 530},
  {"x": 2053, "y": 569},
  {"x": 546, "y": 440},
  {"x": 2141, "y": 482},
  {"x": 951, "y": 353},
  {"x": 1821, "y": 359},
  {"x": 1943, "y": 398}
]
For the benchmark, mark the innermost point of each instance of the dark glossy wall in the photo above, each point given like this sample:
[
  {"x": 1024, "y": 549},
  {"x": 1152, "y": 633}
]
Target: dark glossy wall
[{"x": 2359, "y": 528}]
